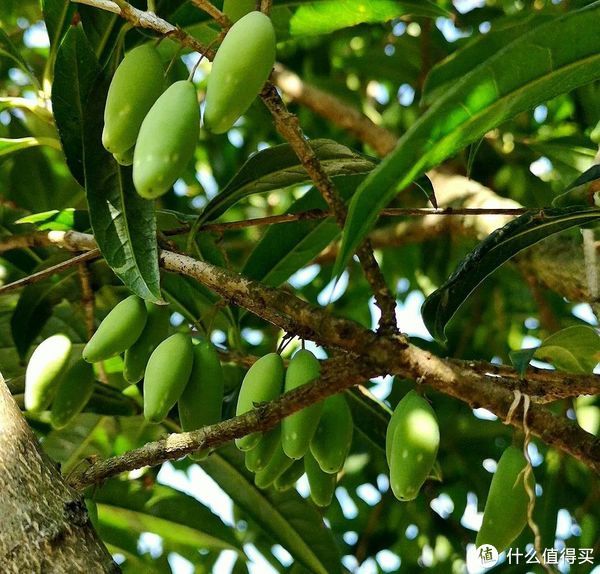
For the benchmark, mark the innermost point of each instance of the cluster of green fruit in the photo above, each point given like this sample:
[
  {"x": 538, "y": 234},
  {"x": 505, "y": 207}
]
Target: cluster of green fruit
[
  {"x": 155, "y": 129},
  {"x": 173, "y": 368},
  {"x": 55, "y": 376},
  {"x": 314, "y": 440}
]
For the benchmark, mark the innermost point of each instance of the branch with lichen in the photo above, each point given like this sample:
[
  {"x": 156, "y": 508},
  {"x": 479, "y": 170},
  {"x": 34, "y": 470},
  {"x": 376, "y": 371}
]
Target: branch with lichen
[{"x": 371, "y": 354}]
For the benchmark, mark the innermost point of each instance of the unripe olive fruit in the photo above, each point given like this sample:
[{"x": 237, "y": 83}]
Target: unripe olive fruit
[
  {"x": 322, "y": 484},
  {"x": 73, "y": 392},
  {"x": 235, "y": 9},
  {"x": 505, "y": 513},
  {"x": 125, "y": 158},
  {"x": 44, "y": 371},
  {"x": 120, "y": 329},
  {"x": 136, "y": 85},
  {"x": 262, "y": 383},
  {"x": 278, "y": 464},
  {"x": 299, "y": 428},
  {"x": 414, "y": 446},
  {"x": 202, "y": 399},
  {"x": 289, "y": 478},
  {"x": 240, "y": 69},
  {"x": 167, "y": 374},
  {"x": 155, "y": 331},
  {"x": 259, "y": 457},
  {"x": 332, "y": 439},
  {"x": 167, "y": 140}
]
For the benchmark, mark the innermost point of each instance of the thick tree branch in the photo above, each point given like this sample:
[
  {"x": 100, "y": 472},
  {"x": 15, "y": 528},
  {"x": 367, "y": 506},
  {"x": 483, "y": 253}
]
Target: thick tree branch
[{"x": 477, "y": 384}]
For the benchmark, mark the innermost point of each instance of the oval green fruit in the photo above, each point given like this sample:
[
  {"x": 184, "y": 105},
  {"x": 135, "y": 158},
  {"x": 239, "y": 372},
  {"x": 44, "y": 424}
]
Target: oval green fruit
[
  {"x": 391, "y": 428},
  {"x": 155, "y": 331},
  {"x": 259, "y": 457},
  {"x": 262, "y": 383},
  {"x": 120, "y": 329},
  {"x": 167, "y": 140},
  {"x": 322, "y": 484},
  {"x": 72, "y": 394},
  {"x": 125, "y": 158},
  {"x": 137, "y": 84},
  {"x": 278, "y": 464},
  {"x": 201, "y": 402},
  {"x": 44, "y": 371},
  {"x": 299, "y": 428},
  {"x": 236, "y": 9},
  {"x": 414, "y": 447},
  {"x": 167, "y": 374},
  {"x": 290, "y": 477},
  {"x": 332, "y": 440},
  {"x": 240, "y": 69},
  {"x": 505, "y": 513}
]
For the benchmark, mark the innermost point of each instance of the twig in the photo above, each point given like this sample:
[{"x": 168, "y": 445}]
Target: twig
[
  {"x": 219, "y": 17},
  {"x": 40, "y": 275},
  {"x": 87, "y": 298}
]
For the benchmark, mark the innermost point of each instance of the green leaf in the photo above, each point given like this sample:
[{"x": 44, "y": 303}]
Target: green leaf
[
  {"x": 286, "y": 248},
  {"x": 534, "y": 68},
  {"x": 57, "y": 16},
  {"x": 370, "y": 416},
  {"x": 8, "y": 145},
  {"x": 482, "y": 47},
  {"x": 582, "y": 191},
  {"x": 55, "y": 220},
  {"x": 285, "y": 517},
  {"x": 575, "y": 349},
  {"x": 8, "y": 50},
  {"x": 124, "y": 224},
  {"x": 312, "y": 18},
  {"x": 178, "y": 518},
  {"x": 278, "y": 167},
  {"x": 75, "y": 73},
  {"x": 520, "y": 359},
  {"x": 491, "y": 253}
]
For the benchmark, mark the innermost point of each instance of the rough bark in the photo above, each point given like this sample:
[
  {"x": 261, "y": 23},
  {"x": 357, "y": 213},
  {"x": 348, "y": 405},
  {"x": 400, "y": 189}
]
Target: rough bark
[{"x": 44, "y": 525}]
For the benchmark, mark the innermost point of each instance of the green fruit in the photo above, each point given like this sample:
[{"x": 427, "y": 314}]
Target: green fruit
[
  {"x": 136, "y": 85},
  {"x": 202, "y": 399},
  {"x": 278, "y": 464},
  {"x": 120, "y": 329},
  {"x": 391, "y": 428},
  {"x": 155, "y": 331},
  {"x": 167, "y": 374},
  {"x": 235, "y": 9},
  {"x": 333, "y": 437},
  {"x": 414, "y": 446},
  {"x": 505, "y": 513},
  {"x": 258, "y": 457},
  {"x": 44, "y": 371},
  {"x": 262, "y": 383},
  {"x": 167, "y": 140},
  {"x": 125, "y": 158},
  {"x": 240, "y": 69},
  {"x": 73, "y": 393},
  {"x": 290, "y": 477},
  {"x": 299, "y": 428},
  {"x": 322, "y": 484}
]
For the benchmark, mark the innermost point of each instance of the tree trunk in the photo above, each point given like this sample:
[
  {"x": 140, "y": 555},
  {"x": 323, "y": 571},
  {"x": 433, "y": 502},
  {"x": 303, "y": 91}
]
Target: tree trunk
[{"x": 44, "y": 526}]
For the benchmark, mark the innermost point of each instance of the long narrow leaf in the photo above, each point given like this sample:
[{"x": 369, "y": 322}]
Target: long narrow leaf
[
  {"x": 284, "y": 516},
  {"x": 491, "y": 253},
  {"x": 552, "y": 59}
]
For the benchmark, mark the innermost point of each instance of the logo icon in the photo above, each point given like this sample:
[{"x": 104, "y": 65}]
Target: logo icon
[{"x": 487, "y": 555}]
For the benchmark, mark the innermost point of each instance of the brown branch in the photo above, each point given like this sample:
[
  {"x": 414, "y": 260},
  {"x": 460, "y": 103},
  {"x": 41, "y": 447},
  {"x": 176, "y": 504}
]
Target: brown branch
[
  {"x": 477, "y": 384},
  {"x": 45, "y": 273},
  {"x": 213, "y": 12}
]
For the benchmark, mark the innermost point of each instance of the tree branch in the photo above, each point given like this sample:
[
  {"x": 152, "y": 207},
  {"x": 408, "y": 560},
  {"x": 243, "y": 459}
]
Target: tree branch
[{"x": 477, "y": 384}]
